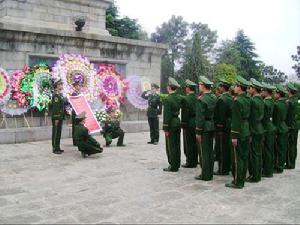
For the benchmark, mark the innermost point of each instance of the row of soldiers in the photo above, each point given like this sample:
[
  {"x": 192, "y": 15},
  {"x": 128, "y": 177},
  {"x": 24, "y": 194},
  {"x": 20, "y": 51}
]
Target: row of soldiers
[{"x": 254, "y": 127}]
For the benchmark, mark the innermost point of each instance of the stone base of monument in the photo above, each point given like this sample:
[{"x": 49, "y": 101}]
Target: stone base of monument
[{"x": 24, "y": 134}]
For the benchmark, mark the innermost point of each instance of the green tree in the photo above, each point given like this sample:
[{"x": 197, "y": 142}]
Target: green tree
[
  {"x": 296, "y": 58},
  {"x": 225, "y": 71},
  {"x": 227, "y": 53},
  {"x": 248, "y": 64},
  {"x": 195, "y": 61},
  {"x": 173, "y": 33},
  {"x": 166, "y": 70},
  {"x": 208, "y": 38},
  {"x": 123, "y": 27},
  {"x": 271, "y": 75}
]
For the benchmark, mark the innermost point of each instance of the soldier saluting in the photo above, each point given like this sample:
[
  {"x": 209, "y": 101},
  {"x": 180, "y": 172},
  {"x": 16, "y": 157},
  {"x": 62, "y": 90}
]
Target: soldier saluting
[
  {"x": 154, "y": 109},
  {"x": 57, "y": 110}
]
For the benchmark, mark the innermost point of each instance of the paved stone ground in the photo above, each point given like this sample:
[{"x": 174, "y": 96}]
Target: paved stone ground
[{"x": 127, "y": 185}]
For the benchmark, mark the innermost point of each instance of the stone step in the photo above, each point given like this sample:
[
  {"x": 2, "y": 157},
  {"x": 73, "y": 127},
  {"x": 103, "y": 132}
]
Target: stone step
[{"x": 23, "y": 135}]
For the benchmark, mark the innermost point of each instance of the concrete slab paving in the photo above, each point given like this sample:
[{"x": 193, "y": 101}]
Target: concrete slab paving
[{"x": 127, "y": 185}]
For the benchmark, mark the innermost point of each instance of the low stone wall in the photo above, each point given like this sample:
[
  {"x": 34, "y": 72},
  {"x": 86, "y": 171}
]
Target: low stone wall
[{"x": 23, "y": 135}]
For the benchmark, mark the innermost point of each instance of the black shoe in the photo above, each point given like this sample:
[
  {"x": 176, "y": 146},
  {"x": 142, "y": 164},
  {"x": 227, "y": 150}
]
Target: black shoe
[
  {"x": 221, "y": 174},
  {"x": 57, "y": 152},
  {"x": 61, "y": 150},
  {"x": 278, "y": 171},
  {"x": 232, "y": 185},
  {"x": 198, "y": 177},
  {"x": 251, "y": 180},
  {"x": 122, "y": 145},
  {"x": 155, "y": 143},
  {"x": 289, "y": 167},
  {"x": 100, "y": 150},
  {"x": 267, "y": 176},
  {"x": 188, "y": 166},
  {"x": 150, "y": 142},
  {"x": 83, "y": 155},
  {"x": 169, "y": 169}
]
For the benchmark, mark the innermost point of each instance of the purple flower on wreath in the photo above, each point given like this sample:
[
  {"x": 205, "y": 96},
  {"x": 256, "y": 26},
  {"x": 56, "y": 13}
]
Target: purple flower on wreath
[
  {"x": 77, "y": 77},
  {"x": 110, "y": 86}
]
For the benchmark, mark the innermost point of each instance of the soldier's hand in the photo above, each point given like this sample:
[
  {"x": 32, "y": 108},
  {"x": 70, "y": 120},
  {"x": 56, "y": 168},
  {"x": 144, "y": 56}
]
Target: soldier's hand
[
  {"x": 167, "y": 133},
  {"x": 198, "y": 138},
  {"x": 56, "y": 122},
  {"x": 234, "y": 142}
]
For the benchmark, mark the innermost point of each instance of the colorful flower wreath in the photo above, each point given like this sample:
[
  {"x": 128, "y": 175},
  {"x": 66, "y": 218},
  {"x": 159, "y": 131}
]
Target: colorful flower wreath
[
  {"x": 73, "y": 68},
  {"x": 37, "y": 86},
  {"x": 135, "y": 92},
  {"x": 4, "y": 87},
  {"x": 111, "y": 87}
]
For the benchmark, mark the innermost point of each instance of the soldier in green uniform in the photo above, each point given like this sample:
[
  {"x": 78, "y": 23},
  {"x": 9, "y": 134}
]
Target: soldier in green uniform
[
  {"x": 292, "y": 125},
  {"x": 171, "y": 125},
  {"x": 222, "y": 118},
  {"x": 154, "y": 109},
  {"x": 240, "y": 133},
  {"x": 257, "y": 131},
  {"x": 188, "y": 124},
  {"x": 205, "y": 128},
  {"x": 269, "y": 136},
  {"x": 112, "y": 130},
  {"x": 77, "y": 87},
  {"x": 279, "y": 118},
  {"x": 87, "y": 145},
  {"x": 57, "y": 110}
]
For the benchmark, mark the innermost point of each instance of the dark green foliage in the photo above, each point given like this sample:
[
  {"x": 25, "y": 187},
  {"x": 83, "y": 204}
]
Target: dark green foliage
[
  {"x": 123, "y": 27},
  {"x": 296, "y": 58}
]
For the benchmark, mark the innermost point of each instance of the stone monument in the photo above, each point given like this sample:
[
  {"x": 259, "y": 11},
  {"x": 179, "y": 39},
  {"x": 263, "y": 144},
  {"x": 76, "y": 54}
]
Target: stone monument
[{"x": 40, "y": 30}]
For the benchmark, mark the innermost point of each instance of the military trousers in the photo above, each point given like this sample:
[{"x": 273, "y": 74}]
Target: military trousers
[
  {"x": 280, "y": 151},
  {"x": 240, "y": 157},
  {"x": 73, "y": 127},
  {"x": 206, "y": 155},
  {"x": 115, "y": 134},
  {"x": 173, "y": 147},
  {"x": 89, "y": 147},
  {"x": 154, "y": 129},
  {"x": 292, "y": 149},
  {"x": 223, "y": 151},
  {"x": 268, "y": 154},
  {"x": 190, "y": 146},
  {"x": 56, "y": 134},
  {"x": 255, "y": 157}
]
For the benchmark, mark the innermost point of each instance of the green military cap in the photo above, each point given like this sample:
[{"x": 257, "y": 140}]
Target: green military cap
[
  {"x": 173, "y": 83},
  {"x": 189, "y": 83},
  {"x": 204, "y": 80},
  {"x": 81, "y": 116},
  {"x": 153, "y": 85},
  {"x": 243, "y": 82},
  {"x": 255, "y": 83},
  {"x": 57, "y": 82},
  {"x": 280, "y": 88},
  {"x": 292, "y": 87},
  {"x": 224, "y": 82},
  {"x": 268, "y": 86}
]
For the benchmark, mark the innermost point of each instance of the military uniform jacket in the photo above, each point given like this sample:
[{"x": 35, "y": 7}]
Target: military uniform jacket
[
  {"x": 240, "y": 117},
  {"x": 257, "y": 115},
  {"x": 111, "y": 126},
  {"x": 205, "y": 113},
  {"x": 223, "y": 111},
  {"x": 57, "y": 107},
  {"x": 188, "y": 112},
  {"x": 83, "y": 139},
  {"x": 268, "y": 115},
  {"x": 172, "y": 105},
  {"x": 154, "y": 104},
  {"x": 279, "y": 115},
  {"x": 291, "y": 120}
]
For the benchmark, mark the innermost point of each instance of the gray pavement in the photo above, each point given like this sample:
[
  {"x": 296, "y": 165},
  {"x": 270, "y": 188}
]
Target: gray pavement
[{"x": 127, "y": 185}]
